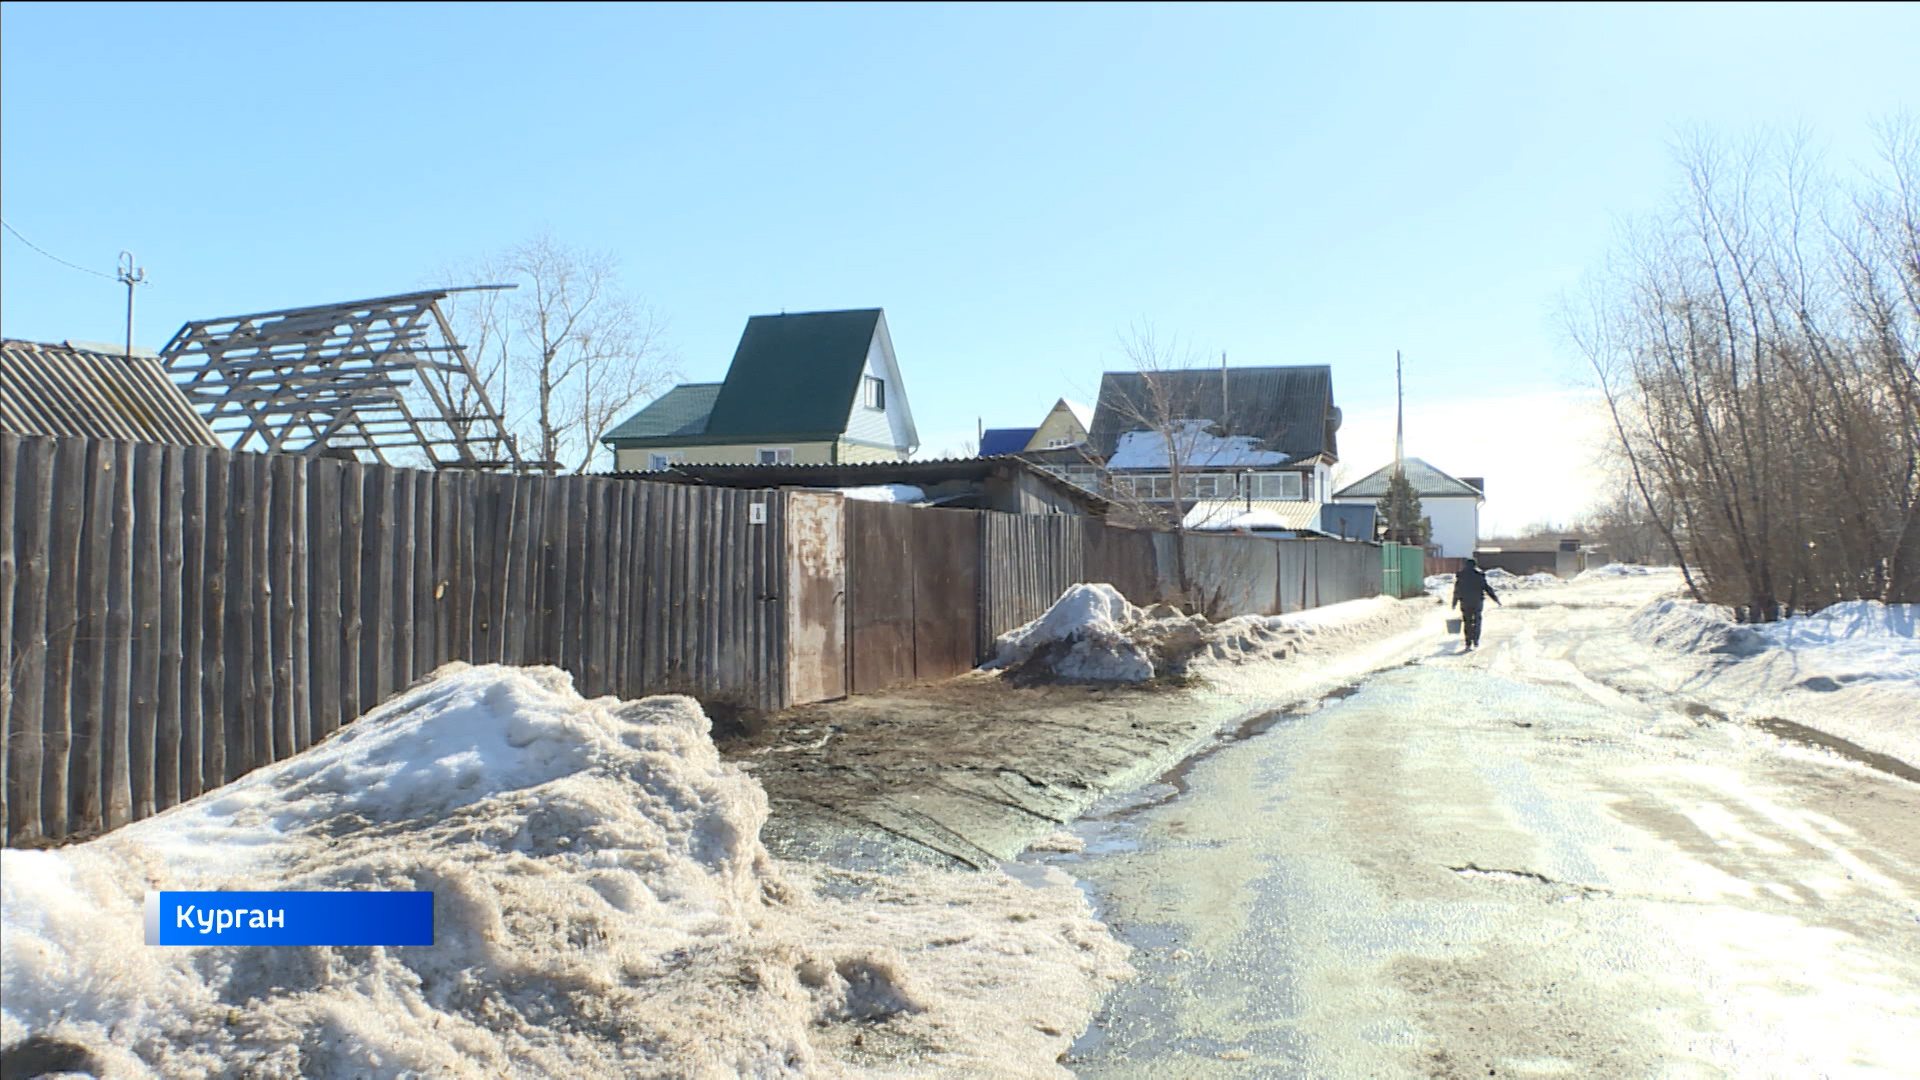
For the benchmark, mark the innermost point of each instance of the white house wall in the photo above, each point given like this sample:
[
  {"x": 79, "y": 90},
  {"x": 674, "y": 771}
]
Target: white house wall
[
  {"x": 1456, "y": 524},
  {"x": 893, "y": 426}
]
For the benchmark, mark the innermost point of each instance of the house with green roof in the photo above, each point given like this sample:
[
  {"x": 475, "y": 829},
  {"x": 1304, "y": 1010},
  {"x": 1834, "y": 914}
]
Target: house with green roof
[{"x": 812, "y": 388}]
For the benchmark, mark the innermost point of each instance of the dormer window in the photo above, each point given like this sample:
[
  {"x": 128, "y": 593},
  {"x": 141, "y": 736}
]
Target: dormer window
[{"x": 873, "y": 392}]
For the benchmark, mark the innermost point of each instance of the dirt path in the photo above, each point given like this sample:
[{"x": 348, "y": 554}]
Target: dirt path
[{"x": 970, "y": 771}]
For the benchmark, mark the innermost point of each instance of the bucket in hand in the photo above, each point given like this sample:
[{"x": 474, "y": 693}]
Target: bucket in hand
[{"x": 1453, "y": 626}]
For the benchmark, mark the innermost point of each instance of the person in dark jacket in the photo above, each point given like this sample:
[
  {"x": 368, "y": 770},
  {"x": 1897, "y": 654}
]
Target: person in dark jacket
[{"x": 1470, "y": 590}]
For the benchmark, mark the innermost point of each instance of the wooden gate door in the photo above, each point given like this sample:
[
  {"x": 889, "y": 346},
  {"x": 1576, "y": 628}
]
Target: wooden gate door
[
  {"x": 880, "y": 620},
  {"x": 816, "y": 597},
  {"x": 946, "y": 592}
]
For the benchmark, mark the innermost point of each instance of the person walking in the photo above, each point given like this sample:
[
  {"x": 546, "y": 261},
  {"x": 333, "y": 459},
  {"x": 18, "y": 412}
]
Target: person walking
[{"x": 1470, "y": 590}]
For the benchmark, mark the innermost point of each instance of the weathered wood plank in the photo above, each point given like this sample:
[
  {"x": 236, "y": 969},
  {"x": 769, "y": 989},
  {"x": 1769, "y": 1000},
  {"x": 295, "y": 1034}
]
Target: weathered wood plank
[
  {"x": 193, "y": 570},
  {"x": 353, "y": 498},
  {"x": 594, "y": 576},
  {"x": 462, "y": 583},
  {"x": 67, "y": 512},
  {"x": 553, "y": 586},
  {"x": 376, "y": 590},
  {"x": 493, "y": 566},
  {"x": 400, "y": 597},
  {"x": 300, "y": 502},
  {"x": 323, "y": 599},
  {"x": 522, "y": 563},
  {"x": 9, "y": 573},
  {"x": 215, "y": 706},
  {"x": 243, "y": 620},
  {"x": 426, "y": 614},
  {"x": 33, "y": 491},
  {"x": 167, "y": 733},
  {"x": 446, "y": 550},
  {"x": 278, "y": 734},
  {"x": 148, "y": 476},
  {"x": 580, "y": 525}
]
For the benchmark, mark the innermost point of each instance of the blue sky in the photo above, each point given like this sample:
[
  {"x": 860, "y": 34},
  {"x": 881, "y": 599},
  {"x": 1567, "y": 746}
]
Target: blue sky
[{"x": 1014, "y": 185}]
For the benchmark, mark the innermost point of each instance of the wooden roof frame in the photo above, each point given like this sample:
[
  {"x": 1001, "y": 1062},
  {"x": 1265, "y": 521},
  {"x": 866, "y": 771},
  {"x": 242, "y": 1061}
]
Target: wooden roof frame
[{"x": 332, "y": 377}]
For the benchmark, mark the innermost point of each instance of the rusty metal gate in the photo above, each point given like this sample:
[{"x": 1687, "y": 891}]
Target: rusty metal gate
[{"x": 816, "y": 597}]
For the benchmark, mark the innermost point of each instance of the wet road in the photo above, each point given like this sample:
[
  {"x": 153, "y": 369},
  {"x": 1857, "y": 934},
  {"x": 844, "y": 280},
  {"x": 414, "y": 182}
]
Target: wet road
[{"x": 1495, "y": 865}]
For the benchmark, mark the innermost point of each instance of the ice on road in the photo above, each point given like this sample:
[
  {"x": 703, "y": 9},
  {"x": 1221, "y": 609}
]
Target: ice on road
[{"x": 1551, "y": 857}]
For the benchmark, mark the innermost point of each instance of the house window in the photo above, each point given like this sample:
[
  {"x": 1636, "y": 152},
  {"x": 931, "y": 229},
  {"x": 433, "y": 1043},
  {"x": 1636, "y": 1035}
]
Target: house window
[
  {"x": 659, "y": 462},
  {"x": 1207, "y": 486},
  {"x": 1084, "y": 476},
  {"x": 776, "y": 455},
  {"x": 873, "y": 392},
  {"x": 1285, "y": 485},
  {"x": 1055, "y": 444}
]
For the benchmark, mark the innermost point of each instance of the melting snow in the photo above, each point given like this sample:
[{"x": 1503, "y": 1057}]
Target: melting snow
[
  {"x": 1197, "y": 448},
  {"x": 893, "y": 493},
  {"x": 603, "y": 906}
]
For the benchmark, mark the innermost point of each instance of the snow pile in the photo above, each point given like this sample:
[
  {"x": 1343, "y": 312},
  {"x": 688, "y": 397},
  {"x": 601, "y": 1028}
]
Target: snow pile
[
  {"x": 1504, "y": 579},
  {"x": 1685, "y": 626},
  {"x": 1618, "y": 570},
  {"x": 887, "y": 493},
  {"x": 1088, "y": 635},
  {"x": 1093, "y": 635},
  {"x": 603, "y": 906},
  {"x": 1501, "y": 580}
]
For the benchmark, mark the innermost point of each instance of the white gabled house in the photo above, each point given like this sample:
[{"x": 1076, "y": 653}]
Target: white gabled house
[{"x": 1451, "y": 504}]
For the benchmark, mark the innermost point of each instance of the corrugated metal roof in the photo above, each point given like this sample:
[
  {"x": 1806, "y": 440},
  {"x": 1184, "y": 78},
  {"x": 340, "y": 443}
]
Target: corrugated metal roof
[
  {"x": 1426, "y": 481},
  {"x": 1255, "y": 513},
  {"x": 682, "y": 410},
  {"x": 1285, "y": 408},
  {"x": 62, "y": 390},
  {"x": 1005, "y": 440},
  {"x": 864, "y": 474},
  {"x": 795, "y": 374}
]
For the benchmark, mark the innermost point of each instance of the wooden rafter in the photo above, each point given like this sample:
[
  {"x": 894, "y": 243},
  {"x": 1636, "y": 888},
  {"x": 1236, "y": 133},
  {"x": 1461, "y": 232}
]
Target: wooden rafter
[{"x": 335, "y": 377}]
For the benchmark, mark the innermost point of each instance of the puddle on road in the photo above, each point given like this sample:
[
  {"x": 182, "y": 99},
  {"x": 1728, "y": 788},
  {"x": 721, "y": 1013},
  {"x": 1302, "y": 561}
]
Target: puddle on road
[{"x": 1820, "y": 740}]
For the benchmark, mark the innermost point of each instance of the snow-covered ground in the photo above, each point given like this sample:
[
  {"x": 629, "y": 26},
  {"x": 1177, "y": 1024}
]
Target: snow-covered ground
[
  {"x": 1851, "y": 670},
  {"x": 603, "y": 906}
]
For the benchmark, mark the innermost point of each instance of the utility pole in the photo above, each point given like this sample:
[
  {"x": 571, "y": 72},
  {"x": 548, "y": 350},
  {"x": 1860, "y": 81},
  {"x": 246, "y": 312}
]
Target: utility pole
[
  {"x": 130, "y": 275},
  {"x": 1399, "y": 453}
]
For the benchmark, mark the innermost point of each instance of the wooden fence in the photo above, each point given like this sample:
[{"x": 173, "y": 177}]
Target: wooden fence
[{"x": 173, "y": 617}]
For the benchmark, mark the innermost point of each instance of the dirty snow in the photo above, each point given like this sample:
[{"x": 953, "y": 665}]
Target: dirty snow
[
  {"x": 1093, "y": 635},
  {"x": 1084, "y": 637},
  {"x": 603, "y": 905},
  {"x": 888, "y": 493},
  {"x": 1198, "y": 449}
]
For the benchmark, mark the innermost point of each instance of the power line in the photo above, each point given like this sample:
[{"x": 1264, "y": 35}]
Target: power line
[{"x": 51, "y": 255}]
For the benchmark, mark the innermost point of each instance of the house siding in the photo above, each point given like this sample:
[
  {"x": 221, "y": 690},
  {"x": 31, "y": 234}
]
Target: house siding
[
  {"x": 1059, "y": 424},
  {"x": 1456, "y": 522},
  {"x": 879, "y": 426},
  {"x": 804, "y": 453},
  {"x": 856, "y": 452}
]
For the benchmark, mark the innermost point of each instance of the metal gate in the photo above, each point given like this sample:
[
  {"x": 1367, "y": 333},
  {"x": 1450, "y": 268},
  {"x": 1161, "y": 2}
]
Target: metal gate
[{"x": 816, "y": 597}]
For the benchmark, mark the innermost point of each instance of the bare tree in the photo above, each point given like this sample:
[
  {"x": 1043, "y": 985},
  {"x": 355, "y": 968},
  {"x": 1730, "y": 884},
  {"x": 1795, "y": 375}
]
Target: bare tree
[
  {"x": 567, "y": 353},
  {"x": 1757, "y": 347},
  {"x": 1165, "y": 416}
]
